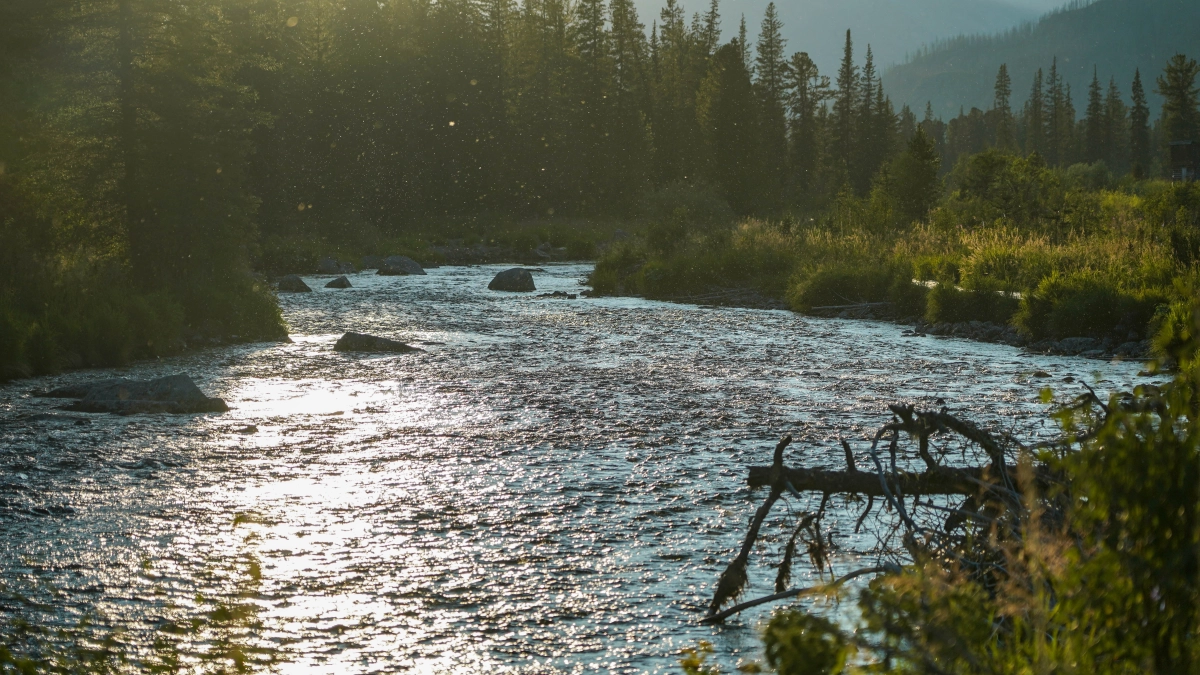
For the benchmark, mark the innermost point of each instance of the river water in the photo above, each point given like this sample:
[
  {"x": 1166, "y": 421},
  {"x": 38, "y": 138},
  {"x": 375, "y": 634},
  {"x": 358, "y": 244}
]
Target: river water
[{"x": 552, "y": 486}]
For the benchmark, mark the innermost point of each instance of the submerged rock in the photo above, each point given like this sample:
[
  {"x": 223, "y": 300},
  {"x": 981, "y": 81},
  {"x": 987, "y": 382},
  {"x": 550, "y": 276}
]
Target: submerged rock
[
  {"x": 559, "y": 294},
  {"x": 173, "y": 394},
  {"x": 340, "y": 282},
  {"x": 358, "y": 342},
  {"x": 517, "y": 280},
  {"x": 293, "y": 284},
  {"x": 398, "y": 265}
]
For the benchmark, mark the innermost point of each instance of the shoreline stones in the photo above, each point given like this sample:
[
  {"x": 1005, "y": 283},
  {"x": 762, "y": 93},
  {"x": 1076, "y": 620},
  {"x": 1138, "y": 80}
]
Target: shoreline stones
[
  {"x": 515, "y": 280},
  {"x": 175, "y": 394},
  {"x": 359, "y": 342},
  {"x": 292, "y": 283},
  {"x": 398, "y": 265},
  {"x": 340, "y": 282}
]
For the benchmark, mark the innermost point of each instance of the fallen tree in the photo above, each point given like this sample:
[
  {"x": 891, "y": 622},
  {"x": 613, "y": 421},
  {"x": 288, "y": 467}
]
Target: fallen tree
[{"x": 992, "y": 491}]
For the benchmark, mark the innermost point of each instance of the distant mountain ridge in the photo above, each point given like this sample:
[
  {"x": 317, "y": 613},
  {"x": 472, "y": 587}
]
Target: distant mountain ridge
[
  {"x": 1114, "y": 36},
  {"x": 893, "y": 28}
]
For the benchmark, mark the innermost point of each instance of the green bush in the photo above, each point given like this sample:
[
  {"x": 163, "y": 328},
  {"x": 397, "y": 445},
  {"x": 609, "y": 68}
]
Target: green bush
[
  {"x": 841, "y": 285},
  {"x": 947, "y": 303},
  {"x": 1083, "y": 304}
]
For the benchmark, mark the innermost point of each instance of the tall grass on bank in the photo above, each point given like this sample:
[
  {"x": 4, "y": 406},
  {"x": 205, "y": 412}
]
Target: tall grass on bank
[
  {"x": 1098, "y": 264},
  {"x": 95, "y": 317}
]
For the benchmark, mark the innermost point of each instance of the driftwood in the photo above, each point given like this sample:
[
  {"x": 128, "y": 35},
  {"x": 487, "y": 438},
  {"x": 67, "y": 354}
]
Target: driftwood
[
  {"x": 993, "y": 493},
  {"x": 937, "y": 481}
]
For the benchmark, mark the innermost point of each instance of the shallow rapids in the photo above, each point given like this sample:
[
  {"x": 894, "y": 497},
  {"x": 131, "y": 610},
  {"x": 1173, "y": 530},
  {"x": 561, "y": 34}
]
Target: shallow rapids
[{"x": 552, "y": 486}]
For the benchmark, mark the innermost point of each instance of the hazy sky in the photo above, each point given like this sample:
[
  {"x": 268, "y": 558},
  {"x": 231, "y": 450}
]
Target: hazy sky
[{"x": 893, "y": 28}]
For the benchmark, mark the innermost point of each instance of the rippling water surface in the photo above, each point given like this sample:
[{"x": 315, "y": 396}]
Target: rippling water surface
[{"x": 553, "y": 486}]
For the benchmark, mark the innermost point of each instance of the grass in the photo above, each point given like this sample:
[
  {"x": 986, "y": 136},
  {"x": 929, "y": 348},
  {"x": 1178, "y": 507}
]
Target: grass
[{"x": 1099, "y": 263}]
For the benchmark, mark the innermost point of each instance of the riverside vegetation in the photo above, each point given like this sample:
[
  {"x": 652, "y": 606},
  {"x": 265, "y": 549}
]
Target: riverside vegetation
[{"x": 1013, "y": 242}]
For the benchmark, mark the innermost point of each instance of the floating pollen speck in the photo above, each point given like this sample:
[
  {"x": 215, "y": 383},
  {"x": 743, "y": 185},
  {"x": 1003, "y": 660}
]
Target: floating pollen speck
[
  {"x": 300, "y": 206},
  {"x": 292, "y": 21},
  {"x": 451, "y": 122}
]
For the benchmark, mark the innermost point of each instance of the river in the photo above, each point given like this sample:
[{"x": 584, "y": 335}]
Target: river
[{"x": 552, "y": 486}]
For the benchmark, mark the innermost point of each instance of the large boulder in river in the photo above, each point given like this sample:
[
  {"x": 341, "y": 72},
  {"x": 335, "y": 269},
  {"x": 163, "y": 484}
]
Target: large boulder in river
[
  {"x": 357, "y": 342},
  {"x": 340, "y": 282},
  {"x": 172, "y": 394},
  {"x": 517, "y": 280},
  {"x": 293, "y": 284},
  {"x": 398, "y": 265}
]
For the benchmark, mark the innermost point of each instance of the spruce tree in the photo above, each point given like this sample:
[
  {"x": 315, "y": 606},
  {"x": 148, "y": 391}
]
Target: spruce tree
[
  {"x": 844, "y": 106},
  {"x": 1139, "y": 129},
  {"x": 1035, "y": 121},
  {"x": 1095, "y": 123},
  {"x": 770, "y": 83},
  {"x": 1002, "y": 110},
  {"x": 727, "y": 112},
  {"x": 1116, "y": 121},
  {"x": 808, "y": 92},
  {"x": 1177, "y": 86}
]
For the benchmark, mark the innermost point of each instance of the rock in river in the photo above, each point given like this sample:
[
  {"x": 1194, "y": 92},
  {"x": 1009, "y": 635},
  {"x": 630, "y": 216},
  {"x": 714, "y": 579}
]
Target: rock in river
[
  {"x": 517, "y": 279},
  {"x": 293, "y": 284},
  {"x": 173, "y": 394},
  {"x": 340, "y": 282},
  {"x": 357, "y": 342},
  {"x": 398, "y": 265}
]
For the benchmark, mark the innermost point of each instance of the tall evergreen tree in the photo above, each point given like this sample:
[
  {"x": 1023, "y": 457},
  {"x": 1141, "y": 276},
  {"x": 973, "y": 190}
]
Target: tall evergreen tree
[
  {"x": 867, "y": 157},
  {"x": 808, "y": 91},
  {"x": 1002, "y": 110},
  {"x": 1177, "y": 86},
  {"x": 727, "y": 114},
  {"x": 770, "y": 84},
  {"x": 1095, "y": 123},
  {"x": 1034, "y": 118},
  {"x": 1139, "y": 129},
  {"x": 845, "y": 107},
  {"x": 1116, "y": 122}
]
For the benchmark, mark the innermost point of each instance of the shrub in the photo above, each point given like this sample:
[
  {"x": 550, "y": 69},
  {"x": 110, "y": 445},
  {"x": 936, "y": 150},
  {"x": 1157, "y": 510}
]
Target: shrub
[
  {"x": 834, "y": 285},
  {"x": 1083, "y": 304},
  {"x": 947, "y": 303}
]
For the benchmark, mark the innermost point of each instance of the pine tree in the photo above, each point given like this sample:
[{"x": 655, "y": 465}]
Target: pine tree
[
  {"x": 1002, "y": 110},
  {"x": 726, "y": 111},
  {"x": 808, "y": 92},
  {"x": 866, "y": 158},
  {"x": 1177, "y": 86},
  {"x": 1095, "y": 123},
  {"x": 712, "y": 27},
  {"x": 1035, "y": 121},
  {"x": 770, "y": 84},
  {"x": 1116, "y": 121},
  {"x": 1139, "y": 129},
  {"x": 1054, "y": 116},
  {"x": 743, "y": 43},
  {"x": 844, "y": 106}
]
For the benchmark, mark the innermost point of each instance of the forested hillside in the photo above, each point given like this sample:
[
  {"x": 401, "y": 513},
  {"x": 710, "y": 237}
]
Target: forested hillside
[
  {"x": 153, "y": 153},
  {"x": 1116, "y": 36},
  {"x": 893, "y": 29}
]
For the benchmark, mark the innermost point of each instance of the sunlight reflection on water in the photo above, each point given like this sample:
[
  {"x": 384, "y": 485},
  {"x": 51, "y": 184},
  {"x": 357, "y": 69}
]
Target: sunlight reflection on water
[{"x": 552, "y": 486}]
